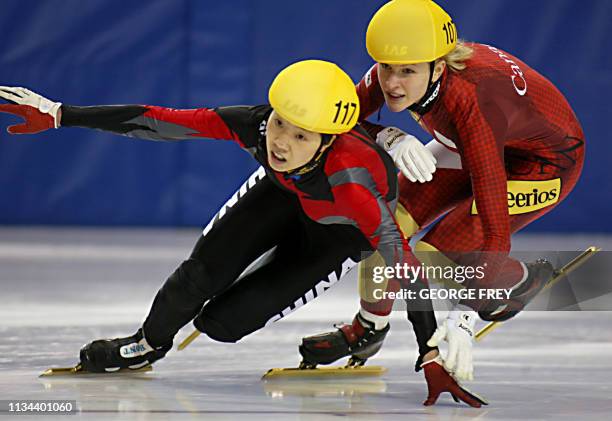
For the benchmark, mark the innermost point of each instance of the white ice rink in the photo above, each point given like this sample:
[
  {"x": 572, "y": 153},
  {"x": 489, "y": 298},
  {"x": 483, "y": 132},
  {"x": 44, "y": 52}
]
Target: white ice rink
[{"x": 61, "y": 288}]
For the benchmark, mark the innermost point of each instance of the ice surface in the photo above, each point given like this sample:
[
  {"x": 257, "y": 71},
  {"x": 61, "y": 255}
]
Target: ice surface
[{"x": 62, "y": 288}]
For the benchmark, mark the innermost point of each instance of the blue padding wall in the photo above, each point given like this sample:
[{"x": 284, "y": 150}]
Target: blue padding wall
[{"x": 188, "y": 53}]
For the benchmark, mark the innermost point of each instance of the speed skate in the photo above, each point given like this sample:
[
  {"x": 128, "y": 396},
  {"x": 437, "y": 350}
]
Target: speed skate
[
  {"x": 308, "y": 371},
  {"x": 79, "y": 370},
  {"x": 557, "y": 275}
]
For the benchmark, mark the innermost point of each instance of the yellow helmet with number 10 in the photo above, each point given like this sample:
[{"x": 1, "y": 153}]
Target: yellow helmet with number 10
[
  {"x": 317, "y": 96},
  {"x": 409, "y": 32}
]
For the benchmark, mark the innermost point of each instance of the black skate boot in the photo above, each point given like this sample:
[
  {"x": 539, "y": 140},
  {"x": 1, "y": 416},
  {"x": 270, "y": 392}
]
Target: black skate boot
[
  {"x": 109, "y": 355},
  {"x": 359, "y": 340},
  {"x": 538, "y": 274}
]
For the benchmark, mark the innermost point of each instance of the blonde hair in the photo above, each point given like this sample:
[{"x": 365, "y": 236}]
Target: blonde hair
[{"x": 455, "y": 60}]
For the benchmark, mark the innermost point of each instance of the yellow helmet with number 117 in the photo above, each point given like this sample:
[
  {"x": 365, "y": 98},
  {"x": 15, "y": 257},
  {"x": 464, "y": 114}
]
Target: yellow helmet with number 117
[
  {"x": 317, "y": 96},
  {"x": 409, "y": 32}
]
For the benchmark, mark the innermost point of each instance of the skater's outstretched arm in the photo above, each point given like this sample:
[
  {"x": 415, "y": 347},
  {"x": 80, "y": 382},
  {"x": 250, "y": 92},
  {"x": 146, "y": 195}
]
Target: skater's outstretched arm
[{"x": 139, "y": 121}]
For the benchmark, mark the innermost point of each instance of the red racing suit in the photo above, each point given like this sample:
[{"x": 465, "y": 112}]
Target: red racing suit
[{"x": 512, "y": 149}]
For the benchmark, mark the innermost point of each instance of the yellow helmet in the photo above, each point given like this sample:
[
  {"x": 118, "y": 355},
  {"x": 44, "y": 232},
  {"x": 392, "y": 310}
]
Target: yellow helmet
[
  {"x": 315, "y": 95},
  {"x": 410, "y": 31}
]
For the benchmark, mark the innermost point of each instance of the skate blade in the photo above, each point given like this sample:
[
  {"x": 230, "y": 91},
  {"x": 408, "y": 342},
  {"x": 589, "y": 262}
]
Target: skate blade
[
  {"x": 559, "y": 274},
  {"x": 78, "y": 369},
  {"x": 575, "y": 263},
  {"x": 360, "y": 371},
  {"x": 189, "y": 339}
]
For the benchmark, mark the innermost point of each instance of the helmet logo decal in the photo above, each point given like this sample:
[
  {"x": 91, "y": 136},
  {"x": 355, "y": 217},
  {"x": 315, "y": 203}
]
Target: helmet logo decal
[
  {"x": 294, "y": 108},
  {"x": 395, "y": 50},
  {"x": 349, "y": 105}
]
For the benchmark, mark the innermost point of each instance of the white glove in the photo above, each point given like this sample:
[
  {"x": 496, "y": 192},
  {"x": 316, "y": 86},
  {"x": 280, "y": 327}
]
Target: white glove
[
  {"x": 413, "y": 159},
  {"x": 23, "y": 96},
  {"x": 458, "y": 331}
]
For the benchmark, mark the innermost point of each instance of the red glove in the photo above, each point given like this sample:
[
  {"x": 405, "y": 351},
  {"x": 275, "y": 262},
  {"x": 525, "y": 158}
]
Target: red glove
[
  {"x": 35, "y": 121},
  {"x": 439, "y": 381}
]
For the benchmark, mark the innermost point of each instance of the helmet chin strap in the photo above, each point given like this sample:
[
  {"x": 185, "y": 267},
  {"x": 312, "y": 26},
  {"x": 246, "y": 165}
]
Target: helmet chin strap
[
  {"x": 433, "y": 90},
  {"x": 314, "y": 161}
]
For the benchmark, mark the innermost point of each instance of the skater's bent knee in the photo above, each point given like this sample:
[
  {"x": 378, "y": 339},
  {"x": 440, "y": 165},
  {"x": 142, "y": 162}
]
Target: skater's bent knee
[
  {"x": 192, "y": 276},
  {"x": 215, "y": 329}
]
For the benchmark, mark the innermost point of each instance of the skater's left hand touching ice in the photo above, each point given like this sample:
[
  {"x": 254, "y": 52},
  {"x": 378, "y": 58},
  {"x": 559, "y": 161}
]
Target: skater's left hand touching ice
[
  {"x": 440, "y": 381},
  {"x": 458, "y": 331},
  {"x": 40, "y": 113}
]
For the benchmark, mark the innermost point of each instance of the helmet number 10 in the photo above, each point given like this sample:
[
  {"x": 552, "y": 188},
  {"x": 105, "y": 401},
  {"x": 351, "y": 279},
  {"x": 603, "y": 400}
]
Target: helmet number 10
[
  {"x": 449, "y": 30},
  {"x": 344, "y": 106}
]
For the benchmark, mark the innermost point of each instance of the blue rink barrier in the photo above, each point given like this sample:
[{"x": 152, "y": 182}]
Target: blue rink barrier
[{"x": 186, "y": 54}]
